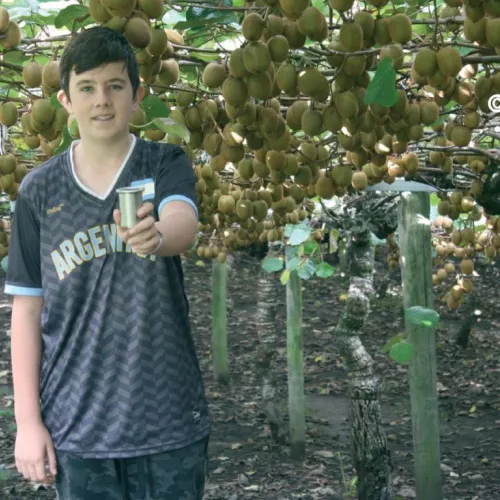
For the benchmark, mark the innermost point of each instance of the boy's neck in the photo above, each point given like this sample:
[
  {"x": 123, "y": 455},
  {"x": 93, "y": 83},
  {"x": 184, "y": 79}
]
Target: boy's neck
[{"x": 102, "y": 157}]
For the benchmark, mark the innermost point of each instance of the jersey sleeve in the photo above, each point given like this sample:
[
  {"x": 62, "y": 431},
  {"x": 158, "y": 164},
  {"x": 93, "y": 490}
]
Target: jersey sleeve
[
  {"x": 23, "y": 271},
  {"x": 175, "y": 180}
]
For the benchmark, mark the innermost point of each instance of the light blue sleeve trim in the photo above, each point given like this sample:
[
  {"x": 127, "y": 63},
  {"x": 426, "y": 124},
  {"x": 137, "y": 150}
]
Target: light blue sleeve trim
[
  {"x": 141, "y": 182},
  {"x": 177, "y": 197},
  {"x": 21, "y": 290},
  {"x": 148, "y": 197}
]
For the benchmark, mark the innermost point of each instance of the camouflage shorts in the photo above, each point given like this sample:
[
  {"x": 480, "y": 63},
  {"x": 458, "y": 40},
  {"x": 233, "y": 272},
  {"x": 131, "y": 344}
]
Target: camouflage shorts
[{"x": 175, "y": 475}]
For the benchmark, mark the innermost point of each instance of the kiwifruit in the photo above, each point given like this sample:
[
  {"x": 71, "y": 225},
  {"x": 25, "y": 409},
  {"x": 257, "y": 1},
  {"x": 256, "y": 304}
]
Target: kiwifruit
[
  {"x": 293, "y": 8},
  {"x": 346, "y": 104},
  {"x": 493, "y": 31},
  {"x": 98, "y": 12},
  {"x": 312, "y": 122},
  {"x": 400, "y": 28},
  {"x": 425, "y": 62},
  {"x": 259, "y": 85},
  {"x": 475, "y": 31},
  {"x": 137, "y": 32},
  {"x": 8, "y": 164},
  {"x": 461, "y": 135},
  {"x": 8, "y": 113},
  {"x": 12, "y": 37},
  {"x": 411, "y": 162},
  {"x": 312, "y": 83},
  {"x": 153, "y": 8},
  {"x": 311, "y": 23},
  {"x": 472, "y": 120},
  {"x": 325, "y": 187},
  {"x": 235, "y": 91},
  {"x": 429, "y": 112},
  {"x": 294, "y": 114},
  {"x": 274, "y": 26},
  {"x": 287, "y": 78},
  {"x": 256, "y": 57},
  {"x": 42, "y": 113},
  {"x": 158, "y": 43},
  {"x": 354, "y": 65},
  {"x": 252, "y": 26},
  {"x": 341, "y": 5},
  {"x": 120, "y": 8},
  {"x": 331, "y": 118},
  {"x": 359, "y": 181},
  {"x": 214, "y": 74},
  {"x": 351, "y": 37},
  {"x": 449, "y": 61},
  {"x": 395, "y": 52},
  {"x": 278, "y": 48},
  {"x": 381, "y": 33},
  {"x": 169, "y": 72},
  {"x": 4, "y": 19},
  {"x": 295, "y": 38}
]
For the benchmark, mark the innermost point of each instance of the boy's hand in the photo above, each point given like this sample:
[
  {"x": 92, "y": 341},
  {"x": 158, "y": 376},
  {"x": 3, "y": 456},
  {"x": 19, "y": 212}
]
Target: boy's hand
[
  {"x": 143, "y": 237},
  {"x": 34, "y": 452}
]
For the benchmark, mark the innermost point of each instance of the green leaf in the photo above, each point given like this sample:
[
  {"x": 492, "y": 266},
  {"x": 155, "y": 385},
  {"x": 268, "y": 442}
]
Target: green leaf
[
  {"x": 66, "y": 141},
  {"x": 434, "y": 200},
  {"x": 69, "y": 14},
  {"x": 382, "y": 88},
  {"x": 293, "y": 264},
  {"x": 272, "y": 264},
  {"x": 15, "y": 57},
  {"x": 311, "y": 246},
  {"x": 285, "y": 276},
  {"x": 401, "y": 352},
  {"x": 5, "y": 263},
  {"x": 391, "y": 342},
  {"x": 324, "y": 270},
  {"x": 420, "y": 316},
  {"x": 291, "y": 252},
  {"x": 171, "y": 127},
  {"x": 299, "y": 235},
  {"x": 306, "y": 270},
  {"x": 154, "y": 107},
  {"x": 55, "y": 102}
]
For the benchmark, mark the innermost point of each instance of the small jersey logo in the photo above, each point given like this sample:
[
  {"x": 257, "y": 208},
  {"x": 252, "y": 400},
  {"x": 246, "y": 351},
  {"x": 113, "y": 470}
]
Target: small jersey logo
[
  {"x": 55, "y": 209},
  {"x": 149, "y": 188}
]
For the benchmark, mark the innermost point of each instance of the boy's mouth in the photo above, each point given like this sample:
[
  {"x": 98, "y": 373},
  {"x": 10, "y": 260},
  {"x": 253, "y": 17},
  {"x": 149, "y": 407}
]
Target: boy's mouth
[{"x": 103, "y": 118}]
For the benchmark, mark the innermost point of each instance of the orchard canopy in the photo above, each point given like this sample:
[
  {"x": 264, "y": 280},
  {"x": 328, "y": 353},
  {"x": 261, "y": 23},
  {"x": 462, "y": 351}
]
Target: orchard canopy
[{"x": 282, "y": 104}]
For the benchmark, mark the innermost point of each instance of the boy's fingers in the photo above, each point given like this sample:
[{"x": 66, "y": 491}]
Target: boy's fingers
[
  {"x": 145, "y": 209},
  {"x": 51, "y": 456}
]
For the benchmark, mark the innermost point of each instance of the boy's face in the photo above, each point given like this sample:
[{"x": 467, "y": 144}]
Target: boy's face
[{"x": 101, "y": 101}]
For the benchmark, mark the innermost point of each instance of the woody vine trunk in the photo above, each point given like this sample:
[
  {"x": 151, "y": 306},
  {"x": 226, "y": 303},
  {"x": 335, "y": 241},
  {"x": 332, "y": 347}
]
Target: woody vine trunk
[{"x": 370, "y": 453}]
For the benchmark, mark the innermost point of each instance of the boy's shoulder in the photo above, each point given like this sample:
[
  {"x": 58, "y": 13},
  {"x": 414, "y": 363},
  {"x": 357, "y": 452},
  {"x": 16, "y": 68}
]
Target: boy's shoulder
[
  {"x": 155, "y": 155},
  {"x": 40, "y": 176}
]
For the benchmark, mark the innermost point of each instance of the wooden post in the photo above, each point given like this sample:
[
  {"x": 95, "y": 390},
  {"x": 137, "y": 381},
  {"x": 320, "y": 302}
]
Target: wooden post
[
  {"x": 295, "y": 355},
  {"x": 219, "y": 321},
  {"x": 416, "y": 269}
]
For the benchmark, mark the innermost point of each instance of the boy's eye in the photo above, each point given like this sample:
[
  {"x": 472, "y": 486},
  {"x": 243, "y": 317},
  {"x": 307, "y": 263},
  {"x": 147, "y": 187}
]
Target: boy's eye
[
  {"x": 116, "y": 87},
  {"x": 85, "y": 89}
]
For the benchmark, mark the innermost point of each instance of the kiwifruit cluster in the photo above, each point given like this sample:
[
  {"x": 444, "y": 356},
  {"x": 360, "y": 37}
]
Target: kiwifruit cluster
[
  {"x": 4, "y": 240},
  {"x": 10, "y": 33},
  {"x": 43, "y": 125},
  {"x": 12, "y": 173}
]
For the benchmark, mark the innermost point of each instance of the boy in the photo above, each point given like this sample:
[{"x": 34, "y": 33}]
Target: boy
[{"x": 108, "y": 390}]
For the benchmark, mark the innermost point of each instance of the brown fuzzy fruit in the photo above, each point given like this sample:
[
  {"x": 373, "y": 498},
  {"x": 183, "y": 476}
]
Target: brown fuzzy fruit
[{"x": 400, "y": 28}]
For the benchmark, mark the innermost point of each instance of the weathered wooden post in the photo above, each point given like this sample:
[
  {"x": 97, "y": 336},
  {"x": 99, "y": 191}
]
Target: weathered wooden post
[
  {"x": 416, "y": 270},
  {"x": 295, "y": 354},
  {"x": 219, "y": 322}
]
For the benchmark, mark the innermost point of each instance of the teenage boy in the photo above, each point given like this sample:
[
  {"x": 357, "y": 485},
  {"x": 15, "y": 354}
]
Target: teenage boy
[{"x": 109, "y": 397}]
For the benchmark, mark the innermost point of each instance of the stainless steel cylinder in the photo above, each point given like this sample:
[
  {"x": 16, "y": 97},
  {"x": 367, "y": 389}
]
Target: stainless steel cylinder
[{"x": 130, "y": 200}]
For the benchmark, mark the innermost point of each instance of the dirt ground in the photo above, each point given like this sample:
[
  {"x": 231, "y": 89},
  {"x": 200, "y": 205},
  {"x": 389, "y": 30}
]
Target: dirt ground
[{"x": 243, "y": 461}]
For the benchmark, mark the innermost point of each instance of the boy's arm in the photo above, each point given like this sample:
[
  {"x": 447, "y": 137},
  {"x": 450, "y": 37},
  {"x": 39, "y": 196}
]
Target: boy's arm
[{"x": 26, "y": 346}]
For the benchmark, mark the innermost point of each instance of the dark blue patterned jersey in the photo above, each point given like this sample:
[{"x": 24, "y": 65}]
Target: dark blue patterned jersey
[{"x": 119, "y": 373}]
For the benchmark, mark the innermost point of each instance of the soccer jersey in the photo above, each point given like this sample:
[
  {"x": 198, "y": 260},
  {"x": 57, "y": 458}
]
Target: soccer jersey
[{"x": 119, "y": 373}]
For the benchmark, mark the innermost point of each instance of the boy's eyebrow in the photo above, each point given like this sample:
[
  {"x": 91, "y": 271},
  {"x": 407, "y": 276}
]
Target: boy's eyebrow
[{"x": 121, "y": 80}]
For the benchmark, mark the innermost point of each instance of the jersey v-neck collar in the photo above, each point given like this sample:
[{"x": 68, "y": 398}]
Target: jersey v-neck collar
[{"x": 112, "y": 186}]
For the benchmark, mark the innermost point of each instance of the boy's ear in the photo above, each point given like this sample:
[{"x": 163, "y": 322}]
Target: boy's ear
[
  {"x": 139, "y": 94},
  {"x": 64, "y": 100}
]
